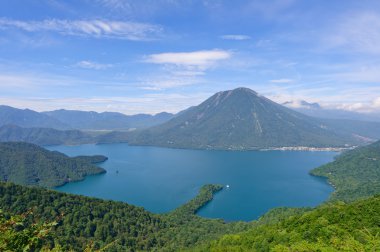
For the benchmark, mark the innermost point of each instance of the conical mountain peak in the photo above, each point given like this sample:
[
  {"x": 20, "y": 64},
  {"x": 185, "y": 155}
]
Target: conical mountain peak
[{"x": 239, "y": 119}]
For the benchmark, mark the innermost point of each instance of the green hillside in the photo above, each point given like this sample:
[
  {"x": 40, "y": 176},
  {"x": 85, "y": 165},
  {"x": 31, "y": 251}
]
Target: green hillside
[
  {"x": 354, "y": 173},
  {"x": 241, "y": 119},
  {"x": 29, "y": 164},
  {"x": 44, "y": 136},
  {"x": 330, "y": 227},
  {"x": 83, "y": 221}
]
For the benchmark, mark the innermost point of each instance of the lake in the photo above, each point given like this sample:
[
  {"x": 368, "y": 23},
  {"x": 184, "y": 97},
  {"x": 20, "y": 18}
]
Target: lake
[{"x": 161, "y": 179}]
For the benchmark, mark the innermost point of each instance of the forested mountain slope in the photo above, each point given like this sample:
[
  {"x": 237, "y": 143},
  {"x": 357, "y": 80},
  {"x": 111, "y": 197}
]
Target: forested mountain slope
[
  {"x": 83, "y": 221},
  {"x": 330, "y": 227},
  {"x": 241, "y": 119},
  {"x": 44, "y": 136},
  {"x": 29, "y": 164},
  {"x": 354, "y": 173}
]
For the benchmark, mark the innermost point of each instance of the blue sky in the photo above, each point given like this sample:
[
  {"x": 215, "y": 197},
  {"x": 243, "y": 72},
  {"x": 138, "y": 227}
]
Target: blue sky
[{"x": 150, "y": 56}]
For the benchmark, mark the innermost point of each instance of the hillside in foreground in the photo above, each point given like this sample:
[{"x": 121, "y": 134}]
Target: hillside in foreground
[{"x": 330, "y": 227}]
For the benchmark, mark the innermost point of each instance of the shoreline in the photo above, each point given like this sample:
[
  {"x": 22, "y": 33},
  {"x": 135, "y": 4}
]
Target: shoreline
[{"x": 304, "y": 148}]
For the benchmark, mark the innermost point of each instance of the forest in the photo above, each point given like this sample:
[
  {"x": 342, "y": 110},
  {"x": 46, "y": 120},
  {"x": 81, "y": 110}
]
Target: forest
[{"x": 29, "y": 164}]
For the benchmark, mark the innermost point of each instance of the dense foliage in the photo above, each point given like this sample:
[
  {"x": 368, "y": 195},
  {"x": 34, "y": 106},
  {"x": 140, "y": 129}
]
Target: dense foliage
[
  {"x": 29, "y": 164},
  {"x": 84, "y": 221},
  {"x": 355, "y": 173},
  {"x": 241, "y": 119},
  {"x": 330, "y": 227},
  {"x": 16, "y": 234}
]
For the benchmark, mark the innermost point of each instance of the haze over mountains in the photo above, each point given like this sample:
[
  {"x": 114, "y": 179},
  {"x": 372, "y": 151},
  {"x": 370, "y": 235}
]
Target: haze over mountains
[
  {"x": 28, "y": 118},
  {"x": 236, "y": 119},
  {"x": 315, "y": 110},
  {"x": 90, "y": 120},
  {"x": 75, "y": 119}
]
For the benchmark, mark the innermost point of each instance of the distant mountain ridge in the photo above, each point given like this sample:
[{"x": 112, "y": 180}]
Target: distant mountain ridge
[
  {"x": 90, "y": 120},
  {"x": 238, "y": 119},
  {"x": 75, "y": 119},
  {"x": 241, "y": 119},
  {"x": 28, "y": 118}
]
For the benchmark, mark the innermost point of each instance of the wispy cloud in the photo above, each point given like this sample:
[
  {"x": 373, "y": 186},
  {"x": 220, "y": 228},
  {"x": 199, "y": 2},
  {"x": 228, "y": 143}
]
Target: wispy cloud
[
  {"x": 145, "y": 103},
  {"x": 359, "y": 32},
  {"x": 282, "y": 81},
  {"x": 235, "y": 37},
  {"x": 92, "y": 65},
  {"x": 195, "y": 60},
  {"x": 169, "y": 81},
  {"x": 88, "y": 28}
]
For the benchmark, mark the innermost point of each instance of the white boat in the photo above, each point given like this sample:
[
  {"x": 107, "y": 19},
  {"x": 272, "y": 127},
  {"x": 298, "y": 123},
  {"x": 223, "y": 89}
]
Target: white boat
[{"x": 228, "y": 186}]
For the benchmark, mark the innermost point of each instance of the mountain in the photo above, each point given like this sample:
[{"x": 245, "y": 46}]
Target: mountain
[
  {"x": 354, "y": 173},
  {"x": 315, "y": 110},
  {"x": 241, "y": 119},
  {"x": 90, "y": 120},
  {"x": 29, "y": 164},
  {"x": 44, "y": 136},
  {"x": 28, "y": 118}
]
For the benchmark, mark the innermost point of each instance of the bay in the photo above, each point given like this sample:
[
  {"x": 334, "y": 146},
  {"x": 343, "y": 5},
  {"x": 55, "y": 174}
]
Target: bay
[{"x": 161, "y": 179}]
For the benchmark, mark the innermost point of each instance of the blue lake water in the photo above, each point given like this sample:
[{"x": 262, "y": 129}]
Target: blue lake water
[{"x": 161, "y": 179}]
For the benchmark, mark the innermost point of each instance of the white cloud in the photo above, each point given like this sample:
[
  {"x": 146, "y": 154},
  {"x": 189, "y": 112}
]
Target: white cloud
[
  {"x": 182, "y": 68},
  {"x": 93, "y": 65},
  {"x": 282, "y": 81},
  {"x": 359, "y": 74},
  {"x": 364, "y": 107},
  {"x": 89, "y": 28},
  {"x": 235, "y": 37},
  {"x": 192, "y": 60}
]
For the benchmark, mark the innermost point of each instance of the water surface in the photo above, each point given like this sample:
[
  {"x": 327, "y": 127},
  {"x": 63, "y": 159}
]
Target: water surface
[{"x": 161, "y": 179}]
